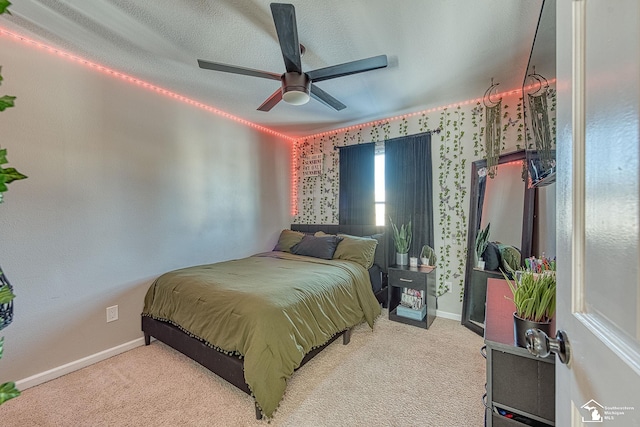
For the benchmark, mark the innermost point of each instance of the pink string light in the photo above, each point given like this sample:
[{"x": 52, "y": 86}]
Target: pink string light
[
  {"x": 430, "y": 110},
  {"x": 141, "y": 83},
  {"x": 216, "y": 111}
]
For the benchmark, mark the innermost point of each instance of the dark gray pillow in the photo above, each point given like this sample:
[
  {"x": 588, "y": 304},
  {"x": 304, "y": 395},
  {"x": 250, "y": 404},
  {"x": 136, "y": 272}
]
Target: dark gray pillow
[
  {"x": 317, "y": 247},
  {"x": 491, "y": 257}
]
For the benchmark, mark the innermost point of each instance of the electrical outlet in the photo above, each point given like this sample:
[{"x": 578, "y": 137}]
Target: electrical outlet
[
  {"x": 112, "y": 313},
  {"x": 448, "y": 286}
]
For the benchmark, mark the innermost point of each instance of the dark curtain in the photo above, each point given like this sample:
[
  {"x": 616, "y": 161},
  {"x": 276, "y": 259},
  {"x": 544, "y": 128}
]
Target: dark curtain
[
  {"x": 408, "y": 188},
  {"x": 357, "y": 185}
]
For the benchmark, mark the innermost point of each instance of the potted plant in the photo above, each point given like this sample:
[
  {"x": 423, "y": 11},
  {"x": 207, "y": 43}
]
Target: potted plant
[
  {"x": 427, "y": 255},
  {"x": 534, "y": 296},
  {"x": 402, "y": 241},
  {"x": 8, "y": 390}
]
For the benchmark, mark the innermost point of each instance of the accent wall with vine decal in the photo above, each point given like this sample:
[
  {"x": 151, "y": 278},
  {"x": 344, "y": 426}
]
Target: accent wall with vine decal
[{"x": 457, "y": 140}]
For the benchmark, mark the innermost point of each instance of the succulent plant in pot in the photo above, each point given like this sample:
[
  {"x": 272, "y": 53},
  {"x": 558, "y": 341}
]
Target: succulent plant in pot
[
  {"x": 428, "y": 255},
  {"x": 402, "y": 241},
  {"x": 534, "y": 297}
]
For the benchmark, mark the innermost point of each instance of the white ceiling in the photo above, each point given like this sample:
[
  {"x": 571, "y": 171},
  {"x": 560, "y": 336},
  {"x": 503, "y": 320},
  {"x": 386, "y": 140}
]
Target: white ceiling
[{"x": 440, "y": 51}]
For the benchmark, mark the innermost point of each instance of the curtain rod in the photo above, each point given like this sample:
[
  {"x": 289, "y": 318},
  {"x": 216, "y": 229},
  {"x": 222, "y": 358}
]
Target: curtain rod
[{"x": 428, "y": 132}]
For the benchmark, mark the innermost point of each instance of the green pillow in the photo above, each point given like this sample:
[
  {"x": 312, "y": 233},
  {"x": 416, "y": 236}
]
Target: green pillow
[
  {"x": 510, "y": 258},
  {"x": 287, "y": 239},
  {"x": 379, "y": 258},
  {"x": 357, "y": 249}
]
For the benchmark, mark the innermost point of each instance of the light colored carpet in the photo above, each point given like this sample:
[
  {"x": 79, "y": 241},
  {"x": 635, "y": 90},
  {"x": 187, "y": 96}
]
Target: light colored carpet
[{"x": 395, "y": 375}]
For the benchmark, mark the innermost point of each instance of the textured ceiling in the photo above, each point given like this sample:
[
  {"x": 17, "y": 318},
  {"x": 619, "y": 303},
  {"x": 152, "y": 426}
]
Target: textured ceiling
[{"x": 440, "y": 51}]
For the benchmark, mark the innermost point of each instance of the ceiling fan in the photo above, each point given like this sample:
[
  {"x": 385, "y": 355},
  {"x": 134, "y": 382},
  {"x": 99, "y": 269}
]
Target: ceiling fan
[{"x": 297, "y": 86}]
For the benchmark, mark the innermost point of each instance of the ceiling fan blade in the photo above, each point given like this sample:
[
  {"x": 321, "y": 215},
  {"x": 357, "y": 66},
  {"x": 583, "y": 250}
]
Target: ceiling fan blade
[
  {"x": 284, "y": 17},
  {"x": 326, "y": 99},
  {"x": 216, "y": 66},
  {"x": 271, "y": 101},
  {"x": 348, "y": 68}
]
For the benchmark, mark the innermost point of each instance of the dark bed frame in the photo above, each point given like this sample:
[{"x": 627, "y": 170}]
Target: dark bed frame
[
  {"x": 231, "y": 367},
  {"x": 228, "y": 367}
]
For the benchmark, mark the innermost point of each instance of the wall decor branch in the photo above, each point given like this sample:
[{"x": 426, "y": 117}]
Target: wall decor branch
[{"x": 493, "y": 136}]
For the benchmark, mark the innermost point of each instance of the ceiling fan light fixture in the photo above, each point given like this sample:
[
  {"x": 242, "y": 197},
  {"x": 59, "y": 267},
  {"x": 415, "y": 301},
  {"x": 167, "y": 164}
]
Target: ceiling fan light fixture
[
  {"x": 295, "y": 88},
  {"x": 295, "y": 96}
]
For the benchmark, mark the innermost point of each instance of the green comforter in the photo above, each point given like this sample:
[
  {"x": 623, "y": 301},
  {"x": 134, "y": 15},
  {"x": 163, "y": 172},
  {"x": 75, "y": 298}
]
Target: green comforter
[{"x": 271, "y": 308}]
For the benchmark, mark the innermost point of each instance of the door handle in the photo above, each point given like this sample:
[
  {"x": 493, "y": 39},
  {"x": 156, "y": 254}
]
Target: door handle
[{"x": 539, "y": 344}]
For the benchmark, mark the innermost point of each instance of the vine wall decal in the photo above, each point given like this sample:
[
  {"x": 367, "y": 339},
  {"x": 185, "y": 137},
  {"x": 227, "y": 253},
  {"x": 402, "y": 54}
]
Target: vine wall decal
[{"x": 457, "y": 141}]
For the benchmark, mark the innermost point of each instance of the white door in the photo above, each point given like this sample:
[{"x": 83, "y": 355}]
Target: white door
[{"x": 598, "y": 215}]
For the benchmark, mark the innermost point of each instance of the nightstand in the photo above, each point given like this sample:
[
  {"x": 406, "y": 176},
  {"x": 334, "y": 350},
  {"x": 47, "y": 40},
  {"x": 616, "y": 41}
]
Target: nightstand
[{"x": 418, "y": 278}]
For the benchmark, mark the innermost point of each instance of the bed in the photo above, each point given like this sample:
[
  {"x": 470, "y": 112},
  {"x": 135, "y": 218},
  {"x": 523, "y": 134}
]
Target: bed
[{"x": 254, "y": 321}]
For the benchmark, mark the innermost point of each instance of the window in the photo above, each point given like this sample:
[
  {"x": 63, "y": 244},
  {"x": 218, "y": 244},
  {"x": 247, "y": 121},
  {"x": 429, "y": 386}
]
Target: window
[{"x": 379, "y": 187}]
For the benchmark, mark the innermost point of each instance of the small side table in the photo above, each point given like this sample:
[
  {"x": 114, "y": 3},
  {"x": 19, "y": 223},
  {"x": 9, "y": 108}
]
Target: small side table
[{"x": 418, "y": 278}]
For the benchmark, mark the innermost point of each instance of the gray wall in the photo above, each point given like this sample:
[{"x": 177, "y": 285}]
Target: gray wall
[{"x": 124, "y": 184}]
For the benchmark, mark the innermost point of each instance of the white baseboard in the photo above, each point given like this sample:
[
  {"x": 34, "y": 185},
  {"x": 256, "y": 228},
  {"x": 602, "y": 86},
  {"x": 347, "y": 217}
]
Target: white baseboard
[
  {"x": 447, "y": 315},
  {"x": 54, "y": 373}
]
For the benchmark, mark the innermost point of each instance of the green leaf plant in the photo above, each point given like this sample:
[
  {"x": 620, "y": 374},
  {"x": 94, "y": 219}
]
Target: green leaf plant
[
  {"x": 482, "y": 241},
  {"x": 4, "y": 4},
  {"x": 7, "y": 175},
  {"x": 8, "y": 390},
  {"x": 534, "y": 295},
  {"x": 6, "y": 296},
  {"x": 402, "y": 237}
]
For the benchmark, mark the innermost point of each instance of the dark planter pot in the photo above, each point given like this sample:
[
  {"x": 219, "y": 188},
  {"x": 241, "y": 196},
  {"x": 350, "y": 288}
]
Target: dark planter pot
[{"x": 520, "y": 327}]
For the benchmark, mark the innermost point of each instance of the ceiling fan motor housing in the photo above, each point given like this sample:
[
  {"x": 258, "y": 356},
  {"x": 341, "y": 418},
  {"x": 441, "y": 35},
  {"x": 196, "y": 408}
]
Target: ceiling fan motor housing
[{"x": 295, "y": 88}]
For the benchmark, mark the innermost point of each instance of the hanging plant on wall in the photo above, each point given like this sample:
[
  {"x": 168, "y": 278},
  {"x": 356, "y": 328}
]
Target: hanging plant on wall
[
  {"x": 540, "y": 125},
  {"x": 452, "y": 183},
  {"x": 7, "y": 175},
  {"x": 493, "y": 139}
]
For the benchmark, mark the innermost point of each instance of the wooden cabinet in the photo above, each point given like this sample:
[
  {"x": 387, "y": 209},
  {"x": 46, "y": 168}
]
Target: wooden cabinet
[
  {"x": 418, "y": 278},
  {"x": 520, "y": 386}
]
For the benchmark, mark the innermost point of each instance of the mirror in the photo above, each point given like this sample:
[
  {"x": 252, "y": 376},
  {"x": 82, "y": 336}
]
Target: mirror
[
  {"x": 507, "y": 203},
  {"x": 531, "y": 223}
]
